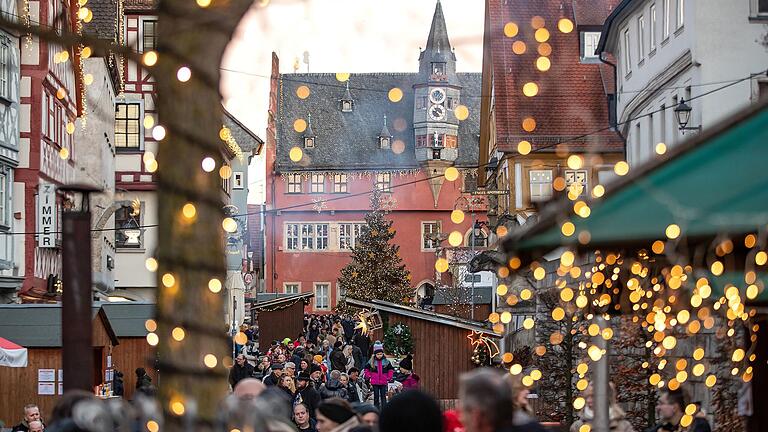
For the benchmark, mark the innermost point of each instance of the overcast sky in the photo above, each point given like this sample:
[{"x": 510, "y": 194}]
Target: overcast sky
[{"x": 340, "y": 36}]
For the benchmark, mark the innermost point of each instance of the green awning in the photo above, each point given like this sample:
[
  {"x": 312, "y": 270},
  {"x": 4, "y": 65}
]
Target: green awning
[{"x": 712, "y": 185}]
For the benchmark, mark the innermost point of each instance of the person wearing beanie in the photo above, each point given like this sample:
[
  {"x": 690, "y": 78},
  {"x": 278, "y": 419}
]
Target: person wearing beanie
[
  {"x": 379, "y": 372},
  {"x": 413, "y": 410},
  {"x": 369, "y": 415},
  {"x": 406, "y": 377},
  {"x": 307, "y": 394},
  {"x": 335, "y": 415}
]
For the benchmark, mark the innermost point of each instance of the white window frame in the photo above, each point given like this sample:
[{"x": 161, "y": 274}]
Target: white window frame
[
  {"x": 238, "y": 180},
  {"x": 316, "y": 183},
  {"x": 320, "y": 306},
  {"x": 585, "y": 185},
  {"x": 755, "y": 10},
  {"x": 680, "y": 13},
  {"x": 306, "y": 236},
  {"x": 652, "y": 28},
  {"x": 340, "y": 183},
  {"x": 293, "y": 183},
  {"x": 5, "y": 67},
  {"x": 590, "y": 41},
  {"x": 640, "y": 39},
  {"x": 292, "y": 236},
  {"x": 540, "y": 191},
  {"x": 665, "y": 21},
  {"x": 340, "y": 294},
  {"x": 348, "y": 233},
  {"x": 139, "y": 121},
  {"x": 4, "y": 196},
  {"x": 296, "y": 285},
  {"x": 428, "y": 227},
  {"x": 627, "y": 52},
  {"x": 384, "y": 182}
]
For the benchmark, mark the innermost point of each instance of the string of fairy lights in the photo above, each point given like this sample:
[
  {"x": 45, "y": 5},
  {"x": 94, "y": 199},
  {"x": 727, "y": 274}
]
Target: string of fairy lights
[{"x": 666, "y": 295}]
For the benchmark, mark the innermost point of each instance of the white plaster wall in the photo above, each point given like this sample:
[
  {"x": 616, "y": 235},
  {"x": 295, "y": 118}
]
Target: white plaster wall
[{"x": 130, "y": 270}]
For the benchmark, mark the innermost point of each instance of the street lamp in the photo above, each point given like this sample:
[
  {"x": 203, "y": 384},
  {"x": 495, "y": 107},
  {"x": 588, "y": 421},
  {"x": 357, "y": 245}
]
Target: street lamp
[{"x": 683, "y": 114}]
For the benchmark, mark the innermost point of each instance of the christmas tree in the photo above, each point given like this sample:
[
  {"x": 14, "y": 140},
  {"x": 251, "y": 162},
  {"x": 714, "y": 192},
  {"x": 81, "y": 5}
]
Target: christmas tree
[{"x": 376, "y": 270}]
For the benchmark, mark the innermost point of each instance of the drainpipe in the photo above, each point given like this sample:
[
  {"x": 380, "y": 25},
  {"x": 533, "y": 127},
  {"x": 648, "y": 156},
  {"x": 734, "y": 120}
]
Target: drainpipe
[{"x": 613, "y": 110}]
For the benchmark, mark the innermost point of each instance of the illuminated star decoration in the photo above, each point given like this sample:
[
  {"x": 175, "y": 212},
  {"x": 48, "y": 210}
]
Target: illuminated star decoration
[
  {"x": 388, "y": 203},
  {"x": 476, "y": 338},
  {"x": 363, "y": 324},
  {"x": 319, "y": 205}
]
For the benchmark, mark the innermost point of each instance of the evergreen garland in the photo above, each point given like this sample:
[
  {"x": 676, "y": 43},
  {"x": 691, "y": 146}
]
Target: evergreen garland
[
  {"x": 376, "y": 271},
  {"x": 480, "y": 355},
  {"x": 398, "y": 341}
]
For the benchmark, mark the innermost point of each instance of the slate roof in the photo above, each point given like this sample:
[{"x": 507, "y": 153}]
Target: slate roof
[
  {"x": 349, "y": 140},
  {"x": 36, "y": 325},
  {"x": 128, "y": 318},
  {"x": 572, "y": 98},
  {"x": 256, "y": 232},
  {"x": 482, "y": 296},
  {"x": 104, "y": 17},
  {"x": 246, "y": 139}
]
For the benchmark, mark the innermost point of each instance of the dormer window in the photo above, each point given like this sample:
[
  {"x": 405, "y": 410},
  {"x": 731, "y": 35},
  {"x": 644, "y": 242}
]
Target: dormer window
[
  {"x": 438, "y": 68},
  {"x": 309, "y": 142},
  {"x": 347, "y": 104},
  {"x": 385, "y": 138},
  {"x": 309, "y": 134},
  {"x": 589, "y": 43}
]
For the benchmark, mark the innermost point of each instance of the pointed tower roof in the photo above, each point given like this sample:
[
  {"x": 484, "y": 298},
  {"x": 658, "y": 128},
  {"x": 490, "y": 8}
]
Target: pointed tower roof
[
  {"x": 347, "y": 94},
  {"x": 438, "y": 46},
  {"x": 309, "y": 132},
  {"x": 385, "y": 130}
]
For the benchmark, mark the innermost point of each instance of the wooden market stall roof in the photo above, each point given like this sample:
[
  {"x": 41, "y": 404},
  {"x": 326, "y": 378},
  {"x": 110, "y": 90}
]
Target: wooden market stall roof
[
  {"x": 711, "y": 185},
  {"x": 425, "y": 315},
  {"x": 128, "y": 318},
  {"x": 277, "y": 301},
  {"x": 39, "y": 325}
]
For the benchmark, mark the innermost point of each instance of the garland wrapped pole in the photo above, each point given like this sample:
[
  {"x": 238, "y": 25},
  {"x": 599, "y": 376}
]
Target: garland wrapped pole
[{"x": 192, "y": 343}]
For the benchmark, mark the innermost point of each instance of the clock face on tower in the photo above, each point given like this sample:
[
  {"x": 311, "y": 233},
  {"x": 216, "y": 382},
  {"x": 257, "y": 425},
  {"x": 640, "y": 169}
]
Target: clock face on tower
[
  {"x": 437, "y": 112},
  {"x": 437, "y": 96}
]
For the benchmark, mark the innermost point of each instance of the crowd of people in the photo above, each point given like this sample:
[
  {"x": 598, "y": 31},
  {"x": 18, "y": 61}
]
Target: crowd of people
[
  {"x": 490, "y": 400},
  {"x": 329, "y": 359}
]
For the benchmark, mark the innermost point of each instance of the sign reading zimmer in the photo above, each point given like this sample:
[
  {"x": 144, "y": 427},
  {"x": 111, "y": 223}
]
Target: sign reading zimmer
[{"x": 46, "y": 216}]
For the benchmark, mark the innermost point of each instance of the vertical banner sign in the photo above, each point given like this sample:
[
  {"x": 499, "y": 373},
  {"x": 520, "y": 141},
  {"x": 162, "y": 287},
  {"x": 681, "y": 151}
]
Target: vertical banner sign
[{"x": 46, "y": 216}]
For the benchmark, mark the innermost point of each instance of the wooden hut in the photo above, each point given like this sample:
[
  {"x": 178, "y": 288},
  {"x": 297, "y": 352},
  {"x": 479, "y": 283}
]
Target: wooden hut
[
  {"x": 128, "y": 321},
  {"x": 459, "y": 304},
  {"x": 279, "y": 316},
  {"x": 442, "y": 347},
  {"x": 37, "y": 327}
]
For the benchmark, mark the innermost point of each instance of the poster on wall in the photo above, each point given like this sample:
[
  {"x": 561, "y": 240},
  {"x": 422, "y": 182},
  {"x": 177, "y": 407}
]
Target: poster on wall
[
  {"x": 46, "y": 374},
  {"x": 46, "y": 388}
]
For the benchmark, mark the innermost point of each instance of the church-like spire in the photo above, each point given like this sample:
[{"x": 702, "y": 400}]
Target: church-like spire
[
  {"x": 385, "y": 129},
  {"x": 438, "y": 46}
]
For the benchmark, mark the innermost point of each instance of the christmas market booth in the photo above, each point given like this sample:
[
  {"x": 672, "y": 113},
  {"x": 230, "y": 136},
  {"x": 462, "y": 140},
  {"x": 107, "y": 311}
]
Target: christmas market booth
[
  {"x": 130, "y": 321},
  {"x": 37, "y": 327},
  {"x": 677, "y": 248},
  {"x": 443, "y": 346},
  {"x": 278, "y": 316}
]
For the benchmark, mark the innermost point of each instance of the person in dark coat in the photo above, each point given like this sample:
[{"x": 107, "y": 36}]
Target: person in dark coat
[
  {"x": 240, "y": 370},
  {"x": 274, "y": 378},
  {"x": 671, "y": 409},
  {"x": 349, "y": 328},
  {"x": 306, "y": 393},
  {"x": 358, "y": 356},
  {"x": 118, "y": 386},
  {"x": 298, "y": 354},
  {"x": 142, "y": 379},
  {"x": 338, "y": 360},
  {"x": 31, "y": 414},
  {"x": 302, "y": 419},
  {"x": 413, "y": 410},
  {"x": 363, "y": 342},
  {"x": 334, "y": 387}
]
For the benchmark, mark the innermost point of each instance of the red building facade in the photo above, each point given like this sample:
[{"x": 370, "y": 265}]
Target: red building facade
[
  {"x": 397, "y": 132},
  {"x": 50, "y": 100}
]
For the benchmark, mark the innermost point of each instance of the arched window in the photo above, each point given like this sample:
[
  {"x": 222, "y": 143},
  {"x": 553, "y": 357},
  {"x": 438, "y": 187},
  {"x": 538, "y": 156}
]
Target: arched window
[{"x": 478, "y": 236}]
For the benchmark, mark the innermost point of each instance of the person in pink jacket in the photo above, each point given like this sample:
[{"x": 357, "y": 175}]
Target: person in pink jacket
[
  {"x": 379, "y": 372},
  {"x": 406, "y": 376}
]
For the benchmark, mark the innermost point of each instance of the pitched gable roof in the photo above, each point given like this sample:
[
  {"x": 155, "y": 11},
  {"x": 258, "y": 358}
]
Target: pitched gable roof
[
  {"x": 349, "y": 140},
  {"x": 128, "y": 318},
  {"x": 572, "y": 98},
  {"x": 39, "y": 325}
]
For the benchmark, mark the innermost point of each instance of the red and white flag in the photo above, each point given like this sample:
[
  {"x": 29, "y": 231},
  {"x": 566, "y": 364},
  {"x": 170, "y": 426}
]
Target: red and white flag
[{"x": 12, "y": 355}]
